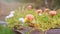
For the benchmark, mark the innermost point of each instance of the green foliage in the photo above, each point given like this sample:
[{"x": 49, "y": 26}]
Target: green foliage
[
  {"x": 45, "y": 21},
  {"x": 5, "y": 30}
]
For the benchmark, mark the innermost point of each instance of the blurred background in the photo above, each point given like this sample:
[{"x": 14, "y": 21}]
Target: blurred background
[{"x": 7, "y": 5}]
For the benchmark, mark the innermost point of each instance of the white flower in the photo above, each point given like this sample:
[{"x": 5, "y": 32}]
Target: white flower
[
  {"x": 7, "y": 17},
  {"x": 11, "y": 15},
  {"x": 12, "y": 12},
  {"x": 21, "y": 19}
]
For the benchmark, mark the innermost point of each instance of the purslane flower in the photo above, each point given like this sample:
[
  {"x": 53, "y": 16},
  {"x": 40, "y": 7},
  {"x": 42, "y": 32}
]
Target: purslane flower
[
  {"x": 30, "y": 17},
  {"x": 39, "y": 11},
  {"x": 52, "y": 12},
  {"x": 10, "y": 15},
  {"x": 21, "y": 20}
]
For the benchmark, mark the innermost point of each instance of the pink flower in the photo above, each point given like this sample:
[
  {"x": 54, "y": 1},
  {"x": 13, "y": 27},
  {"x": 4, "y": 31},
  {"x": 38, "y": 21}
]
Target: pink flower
[
  {"x": 30, "y": 17},
  {"x": 29, "y": 7},
  {"x": 39, "y": 11},
  {"x": 46, "y": 9},
  {"x": 52, "y": 12}
]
